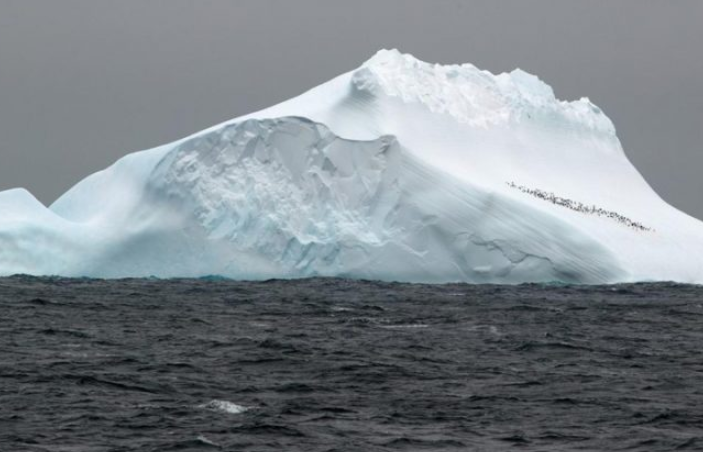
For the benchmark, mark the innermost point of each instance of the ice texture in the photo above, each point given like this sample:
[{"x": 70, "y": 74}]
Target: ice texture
[{"x": 399, "y": 170}]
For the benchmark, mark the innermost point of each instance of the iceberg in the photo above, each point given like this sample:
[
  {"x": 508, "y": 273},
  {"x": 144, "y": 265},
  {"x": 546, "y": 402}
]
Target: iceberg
[{"x": 400, "y": 170}]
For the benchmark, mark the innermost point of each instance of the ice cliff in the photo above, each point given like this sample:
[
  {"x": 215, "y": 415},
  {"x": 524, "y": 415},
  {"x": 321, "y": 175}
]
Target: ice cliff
[{"x": 399, "y": 170}]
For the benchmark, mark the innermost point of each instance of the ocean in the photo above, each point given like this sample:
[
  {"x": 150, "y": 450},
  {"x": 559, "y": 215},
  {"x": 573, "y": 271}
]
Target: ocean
[{"x": 339, "y": 365}]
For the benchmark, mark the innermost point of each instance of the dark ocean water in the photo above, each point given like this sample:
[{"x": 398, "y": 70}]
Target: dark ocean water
[{"x": 336, "y": 365}]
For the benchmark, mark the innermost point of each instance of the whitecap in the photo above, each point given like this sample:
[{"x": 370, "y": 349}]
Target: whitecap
[
  {"x": 206, "y": 441},
  {"x": 224, "y": 406},
  {"x": 412, "y": 325}
]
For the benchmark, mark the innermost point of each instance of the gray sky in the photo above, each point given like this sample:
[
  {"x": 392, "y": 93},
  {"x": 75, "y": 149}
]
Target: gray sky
[{"x": 84, "y": 82}]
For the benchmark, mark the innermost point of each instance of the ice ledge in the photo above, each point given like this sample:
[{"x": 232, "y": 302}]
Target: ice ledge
[{"x": 476, "y": 97}]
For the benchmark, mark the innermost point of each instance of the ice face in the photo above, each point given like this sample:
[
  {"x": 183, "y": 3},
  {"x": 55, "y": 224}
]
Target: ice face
[{"x": 399, "y": 170}]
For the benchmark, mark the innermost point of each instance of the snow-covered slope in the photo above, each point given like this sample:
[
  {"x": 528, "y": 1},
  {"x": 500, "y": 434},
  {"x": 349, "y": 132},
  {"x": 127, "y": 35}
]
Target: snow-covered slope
[{"x": 399, "y": 170}]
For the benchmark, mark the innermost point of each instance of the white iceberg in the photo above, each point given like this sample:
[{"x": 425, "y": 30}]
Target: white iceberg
[{"x": 399, "y": 170}]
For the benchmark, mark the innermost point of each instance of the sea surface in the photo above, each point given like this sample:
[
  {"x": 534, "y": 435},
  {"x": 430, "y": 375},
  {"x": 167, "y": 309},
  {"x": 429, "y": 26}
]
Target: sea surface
[{"x": 338, "y": 365}]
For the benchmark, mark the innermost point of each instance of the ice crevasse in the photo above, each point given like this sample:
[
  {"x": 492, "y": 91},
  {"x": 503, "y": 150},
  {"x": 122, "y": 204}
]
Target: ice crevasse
[{"x": 400, "y": 170}]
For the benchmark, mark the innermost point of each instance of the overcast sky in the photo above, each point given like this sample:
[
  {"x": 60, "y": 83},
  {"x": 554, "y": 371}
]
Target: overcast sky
[{"x": 84, "y": 82}]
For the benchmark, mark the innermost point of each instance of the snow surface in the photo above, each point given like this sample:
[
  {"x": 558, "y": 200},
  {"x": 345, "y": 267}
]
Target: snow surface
[{"x": 399, "y": 170}]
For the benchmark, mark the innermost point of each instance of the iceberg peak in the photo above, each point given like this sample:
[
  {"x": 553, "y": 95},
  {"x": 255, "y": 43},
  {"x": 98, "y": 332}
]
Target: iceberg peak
[{"x": 473, "y": 96}]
